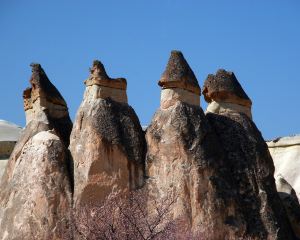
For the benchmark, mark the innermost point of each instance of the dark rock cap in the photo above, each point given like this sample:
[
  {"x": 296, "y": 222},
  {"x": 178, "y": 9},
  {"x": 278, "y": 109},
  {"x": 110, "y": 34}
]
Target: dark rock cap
[
  {"x": 224, "y": 86},
  {"x": 41, "y": 86},
  {"x": 178, "y": 74},
  {"x": 99, "y": 77}
]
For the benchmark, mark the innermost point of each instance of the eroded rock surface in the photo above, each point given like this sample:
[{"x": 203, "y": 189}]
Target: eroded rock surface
[
  {"x": 35, "y": 196},
  {"x": 107, "y": 143}
]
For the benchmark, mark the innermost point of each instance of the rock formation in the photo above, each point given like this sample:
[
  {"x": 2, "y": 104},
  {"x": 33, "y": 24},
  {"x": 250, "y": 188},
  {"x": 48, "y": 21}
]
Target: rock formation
[
  {"x": 35, "y": 194},
  {"x": 224, "y": 93},
  {"x": 216, "y": 166},
  {"x": 248, "y": 160},
  {"x": 107, "y": 141},
  {"x": 285, "y": 152},
  {"x": 182, "y": 158},
  {"x": 9, "y": 134}
]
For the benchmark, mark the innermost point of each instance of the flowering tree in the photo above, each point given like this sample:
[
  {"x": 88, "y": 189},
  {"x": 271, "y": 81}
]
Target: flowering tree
[{"x": 126, "y": 216}]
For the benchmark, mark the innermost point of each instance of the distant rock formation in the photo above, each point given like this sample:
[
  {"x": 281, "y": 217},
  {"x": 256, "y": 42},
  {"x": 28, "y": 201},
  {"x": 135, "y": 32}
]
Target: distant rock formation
[
  {"x": 107, "y": 141},
  {"x": 285, "y": 152},
  {"x": 182, "y": 158},
  {"x": 35, "y": 194},
  {"x": 224, "y": 93},
  {"x": 9, "y": 135},
  {"x": 249, "y": 161}
]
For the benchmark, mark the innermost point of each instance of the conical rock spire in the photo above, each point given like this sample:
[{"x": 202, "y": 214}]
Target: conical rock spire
[{"x": 178, "y": 74}]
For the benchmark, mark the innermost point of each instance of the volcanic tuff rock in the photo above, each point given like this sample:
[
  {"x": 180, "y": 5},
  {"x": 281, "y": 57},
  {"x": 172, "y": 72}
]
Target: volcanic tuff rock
[
  {"x": 224, "y": 93},
  {"x": 107, "y": 142},
  {"x": 182, "y": 161},
  {"x": 252, "y": 169},
  {"x": 35, "y": 194}
]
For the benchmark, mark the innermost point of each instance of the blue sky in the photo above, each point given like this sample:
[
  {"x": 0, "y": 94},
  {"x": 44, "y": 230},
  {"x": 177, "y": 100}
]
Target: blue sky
[{"x": 258, "y": 40}]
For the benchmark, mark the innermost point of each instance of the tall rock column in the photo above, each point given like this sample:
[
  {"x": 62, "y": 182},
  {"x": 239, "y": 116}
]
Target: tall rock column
[
  {"x": 35, "y": 196},
  {"x": 183, "y": 160},
  {"x": 248, "y": 159},
  {"x": 107, "y": 142}
]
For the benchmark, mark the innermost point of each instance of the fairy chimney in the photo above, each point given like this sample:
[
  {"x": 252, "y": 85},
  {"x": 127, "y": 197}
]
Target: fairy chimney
[
  {"x": 35, "y": 196},
  {"x": 251, "y": 167},
  {"x": 223, "y": 92},
  {"x": 178, "y": 82},
  {"x": 107, "y": 141},
  {"x": 182, "y": 159}
]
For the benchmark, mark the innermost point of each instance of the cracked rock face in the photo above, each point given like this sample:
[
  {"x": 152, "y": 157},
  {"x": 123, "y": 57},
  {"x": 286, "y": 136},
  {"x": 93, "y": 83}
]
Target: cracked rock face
[
  {"x": 35, "y": 196},
  {"x": 107, "y": 146},
  {"x": 224, "y": 93}
]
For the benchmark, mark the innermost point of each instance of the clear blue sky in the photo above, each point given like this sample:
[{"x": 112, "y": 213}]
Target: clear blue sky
[{"x": 258, "y": 40}]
